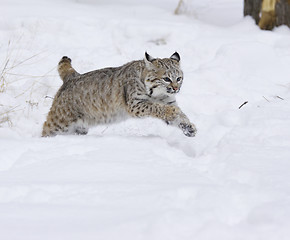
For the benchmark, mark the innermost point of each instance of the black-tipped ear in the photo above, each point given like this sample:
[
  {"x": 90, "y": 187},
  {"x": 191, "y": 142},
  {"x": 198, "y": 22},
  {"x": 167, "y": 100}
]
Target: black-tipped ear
[
  {"x": 175, "y": 56},
  {"x": 148, "y": 57}
]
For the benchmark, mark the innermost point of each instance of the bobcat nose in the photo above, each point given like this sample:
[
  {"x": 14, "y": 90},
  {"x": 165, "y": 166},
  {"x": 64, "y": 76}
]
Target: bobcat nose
[{"x": 174, "y": 88}]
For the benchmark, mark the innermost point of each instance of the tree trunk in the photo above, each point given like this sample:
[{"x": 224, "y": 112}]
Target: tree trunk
[
  {"x": 268, "y": 13},
  {"x": 283, "y": 12},
  {"x": 252, "y": 8}
]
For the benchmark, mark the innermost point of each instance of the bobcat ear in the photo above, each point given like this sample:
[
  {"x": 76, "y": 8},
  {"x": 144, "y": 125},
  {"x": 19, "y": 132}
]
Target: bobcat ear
[
  {"x": 148, "y": 57},
  {"x": 175, "y": 56},
  {"x": 149, "y": 61}
]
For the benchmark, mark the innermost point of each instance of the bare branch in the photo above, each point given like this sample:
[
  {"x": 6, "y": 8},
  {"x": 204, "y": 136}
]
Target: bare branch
[{"x": 243, "y": 104}]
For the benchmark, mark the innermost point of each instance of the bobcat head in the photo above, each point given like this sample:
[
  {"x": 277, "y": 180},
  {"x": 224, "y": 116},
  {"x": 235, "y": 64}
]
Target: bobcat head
[{"x": 163, "y": 76}]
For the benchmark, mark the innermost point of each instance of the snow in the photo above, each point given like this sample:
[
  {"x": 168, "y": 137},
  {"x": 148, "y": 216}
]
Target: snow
[{"x": 141, "y": 179}]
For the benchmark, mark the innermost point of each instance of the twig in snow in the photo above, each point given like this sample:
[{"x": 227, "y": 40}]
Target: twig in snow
[
  {"x": 266, "y": 99},
  {"x": 48, "y": 97},
  {"x": 179, "y": 6},
  {"x": 280, "y": 97},
  {"x": 243, "y": 104},
  {"x": 104, "y": 130}
]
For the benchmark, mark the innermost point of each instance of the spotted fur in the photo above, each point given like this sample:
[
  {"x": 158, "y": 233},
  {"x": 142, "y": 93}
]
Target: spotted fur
[{"x": 137, "y": 89}]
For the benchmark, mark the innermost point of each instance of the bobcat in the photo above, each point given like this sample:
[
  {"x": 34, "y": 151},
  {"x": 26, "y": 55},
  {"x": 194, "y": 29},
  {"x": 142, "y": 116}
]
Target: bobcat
[{"x": 137, "y": 89}]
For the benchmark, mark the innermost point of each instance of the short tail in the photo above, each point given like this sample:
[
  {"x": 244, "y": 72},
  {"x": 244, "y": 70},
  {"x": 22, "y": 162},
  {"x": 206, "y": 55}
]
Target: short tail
[{"x": 65, "y": 69}]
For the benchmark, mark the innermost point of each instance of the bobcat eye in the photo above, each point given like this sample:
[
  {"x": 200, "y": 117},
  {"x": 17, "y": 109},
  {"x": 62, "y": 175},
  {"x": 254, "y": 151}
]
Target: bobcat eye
[
  {"x": 167, "y": 79},
  {"x": 178, "y": 79}
]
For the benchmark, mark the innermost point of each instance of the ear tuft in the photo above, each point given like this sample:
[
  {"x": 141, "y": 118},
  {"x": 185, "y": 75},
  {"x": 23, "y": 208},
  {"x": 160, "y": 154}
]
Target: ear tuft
[
  {"x": 175, "y": 56},
  {"x": 148, "y": 57}
]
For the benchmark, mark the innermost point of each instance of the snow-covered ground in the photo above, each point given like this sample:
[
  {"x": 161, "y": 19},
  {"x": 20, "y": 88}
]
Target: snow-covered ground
[{"x": 142, "y": 179}]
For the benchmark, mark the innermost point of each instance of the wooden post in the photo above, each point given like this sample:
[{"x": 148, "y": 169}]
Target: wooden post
[{"x": 268, "y": 17}]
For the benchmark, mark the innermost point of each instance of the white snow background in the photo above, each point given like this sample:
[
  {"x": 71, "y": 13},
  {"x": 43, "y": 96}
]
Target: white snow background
[{"x": 142, "y": 179}]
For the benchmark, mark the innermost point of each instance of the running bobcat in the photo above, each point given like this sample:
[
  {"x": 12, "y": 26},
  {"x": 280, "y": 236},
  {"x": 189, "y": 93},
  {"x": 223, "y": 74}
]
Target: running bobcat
[{"x": 137, "y": 89}]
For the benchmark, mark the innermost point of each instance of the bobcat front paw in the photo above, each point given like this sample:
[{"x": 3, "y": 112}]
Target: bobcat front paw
[{"x": 188, "y": 129}]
